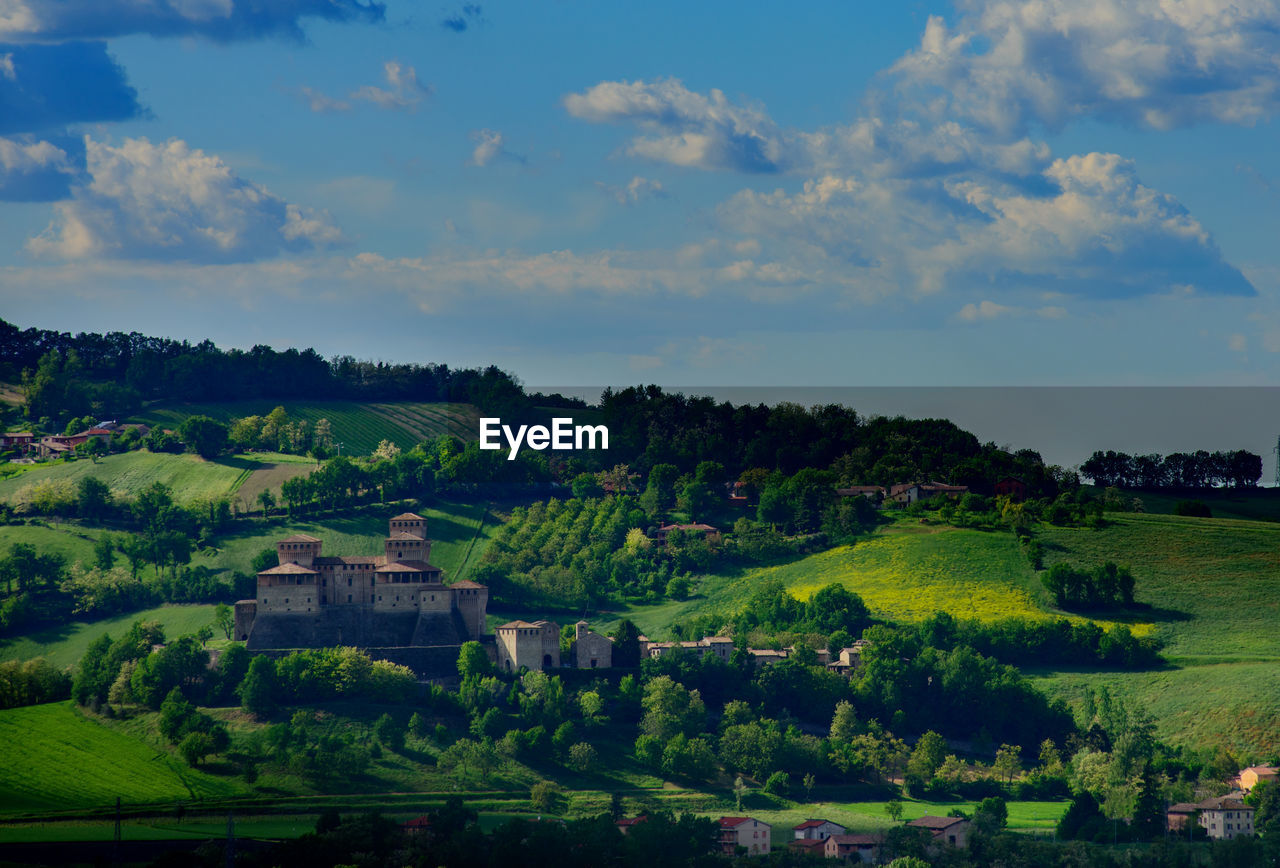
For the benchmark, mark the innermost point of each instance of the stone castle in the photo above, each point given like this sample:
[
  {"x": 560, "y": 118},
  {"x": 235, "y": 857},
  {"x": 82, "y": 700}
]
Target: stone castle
[{"x": 393, "y": 605}]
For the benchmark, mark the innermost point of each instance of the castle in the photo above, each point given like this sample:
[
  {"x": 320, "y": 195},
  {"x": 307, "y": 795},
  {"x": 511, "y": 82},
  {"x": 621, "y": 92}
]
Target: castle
[{"x": 394, "y": 605}]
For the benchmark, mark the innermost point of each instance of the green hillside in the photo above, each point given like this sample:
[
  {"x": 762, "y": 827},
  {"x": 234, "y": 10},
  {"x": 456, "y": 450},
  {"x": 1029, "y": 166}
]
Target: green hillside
[
  {"x": 56, "y": 759},
  {"x": 904, "y": 572},
  {"x": 65, "y": 644},
  {"x": 459, "y": 533},
  {"x": 359, "y": 427},
  {"x": 190, "y": 476}
]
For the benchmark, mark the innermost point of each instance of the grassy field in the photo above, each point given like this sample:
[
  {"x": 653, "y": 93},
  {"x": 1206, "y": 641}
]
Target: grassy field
[
  {"x": 904, "y": 572},
  {"x": 1257, "y": 504},
  {"x": 65, "y": 644},
  {"x": 1234, "y": 704},
  {"x": 190, "y": 476},
  {"x": 1216, "y": 578},
  {"x": 358, "y": 426},
  {"x": 56, "y": 759},
  {"x": 73, "y": 542},
  {"x": 272, "y": 470},
  {"x": 866, "y": 817}
]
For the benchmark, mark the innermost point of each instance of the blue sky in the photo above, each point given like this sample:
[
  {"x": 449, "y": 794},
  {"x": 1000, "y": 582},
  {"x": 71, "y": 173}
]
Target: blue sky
[{"x": 992, "y": 192}]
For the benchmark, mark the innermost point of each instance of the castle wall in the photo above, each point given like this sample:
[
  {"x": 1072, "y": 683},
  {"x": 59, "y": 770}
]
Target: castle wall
[
  {"x": 535, "y": 647},
  {"x": 246, "y": 612}
]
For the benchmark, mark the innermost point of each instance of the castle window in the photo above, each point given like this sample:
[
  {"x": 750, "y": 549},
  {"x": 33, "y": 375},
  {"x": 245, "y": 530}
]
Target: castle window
[
  {"x": 348, "y": 598},
  {"x": 286, "y": 599},
  {"x": 348, "y": 582}
]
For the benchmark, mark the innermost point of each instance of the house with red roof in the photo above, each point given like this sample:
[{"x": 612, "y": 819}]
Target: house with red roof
[{"x": 817, "y": 829}]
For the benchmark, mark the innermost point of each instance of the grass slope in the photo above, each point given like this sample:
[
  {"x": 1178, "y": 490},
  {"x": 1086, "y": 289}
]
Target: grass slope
[
  {"x": 904, "y": 572},
  {"x": 65, "y": 644},
  {"x": 190, "y": 476},
  {"x": 358, "y": 426},
  {"x": 73, "y": 542},
  {"x": 54, "y": 758}
]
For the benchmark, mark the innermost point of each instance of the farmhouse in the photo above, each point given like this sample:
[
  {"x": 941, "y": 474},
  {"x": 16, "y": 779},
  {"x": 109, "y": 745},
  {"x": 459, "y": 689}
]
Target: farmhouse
[
  {"x": 853, "y": 848},
  {"x": 818, "y": 829},
  {"x": 1011, "y": 486},
  {"x": 946, "y": 830},
  {"x": 1224, "y": 818},
  {"x": 870, "y": 492},
  {"x": 745, "y": 832},
  {"x": 704, "y": 530},
  {"x": 392, "y": 605},
  {"x": 1254, "y": 775},
  {"x": 911, "y": 492}
]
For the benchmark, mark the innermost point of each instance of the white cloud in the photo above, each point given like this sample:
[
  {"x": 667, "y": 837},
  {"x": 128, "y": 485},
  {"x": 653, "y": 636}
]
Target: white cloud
[
  {"x": 170, "y": 202},
  {"x": 636, "y": 190},
  {"x": 706, "y": 132},
  {"x": 1010, "y": 63},
  {"x": 491, "y": 145},
  {"x": 403, "y": 92},
  {"x": 985, "y": 310},
  {"x": 1238, "y": 343}
]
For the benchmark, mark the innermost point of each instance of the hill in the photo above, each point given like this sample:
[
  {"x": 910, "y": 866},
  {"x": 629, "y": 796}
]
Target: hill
[
  {"x": 360, "y": 427},
  {"x": 64, "y": 644},
  {"x": 190, "y": 477},
  {"x": 903, "y": 572},
  {"x": 67, "y": 761}
]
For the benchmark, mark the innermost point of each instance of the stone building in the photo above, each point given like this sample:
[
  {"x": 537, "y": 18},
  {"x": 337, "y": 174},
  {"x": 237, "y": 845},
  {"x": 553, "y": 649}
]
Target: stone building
[
  {"x": 534, "y": 646},
  {"x": 395, "y": 600},
  {"x": 591, "y": 650}
]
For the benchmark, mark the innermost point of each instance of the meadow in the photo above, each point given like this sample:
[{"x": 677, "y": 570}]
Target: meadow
[
  {"x": 357, "y": 426},
  {"x": 189, "y": 476},
  {"x": 64, "y": 644},
  {"x": 56, "y": 759},
  {"x": 904, "y": 572}
]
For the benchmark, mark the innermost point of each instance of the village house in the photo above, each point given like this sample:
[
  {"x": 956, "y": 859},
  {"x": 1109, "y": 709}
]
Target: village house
[
  {"x": 853, "y": 848},
  {"x": 1254, "y": 775},
  {"x": 913, "y": 492},
  {"x": 1011, "y": 486},
  {"x": 591, "y": 650},
  {"x": 535, "y": 646},
  {"x": 704, "y": 530},
  {"x": 746, "y": 832},
  {"x": 21, "y": 440},
  {"x": 849, "y": 660},
  {"x": 1223, "y": 818},
  {"x": 626, "y": 824},
  {"x": 720, "y": 646},
  {"x": 945, "y": 830},
  {"x": 873, "y": 493},
  {"x": 817, "y": 829},
  {"x": 811, "y": 846}
]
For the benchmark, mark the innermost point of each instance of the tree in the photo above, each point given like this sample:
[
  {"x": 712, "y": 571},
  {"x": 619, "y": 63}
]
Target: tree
[
  {"x": 104, "y": 552},
  {"x": 626, "y": 645},
  {"x": 93, "y": 498},
  {"x": 268, "y": 501},
  {"x": 205, "y": 436},
  {"x": 473, "y": 662},
  {"x": 893, "y": 808},
  {"x": 387, "y": 731},
  {"x": 928, "y": 756},
  {"x": 660, "y": 491},
  {"x": 544, "y": 796},
  {"x": 582, "y": 757},
  {"x": 224, "y": 617},
  {"x": 1008, "y": 763},
  {"x": 257, "y": 691},
  {"x": 195, "y": 747}
]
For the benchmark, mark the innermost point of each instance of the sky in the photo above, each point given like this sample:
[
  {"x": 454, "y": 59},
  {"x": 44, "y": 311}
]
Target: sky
[{"x": 978, "y": 193}]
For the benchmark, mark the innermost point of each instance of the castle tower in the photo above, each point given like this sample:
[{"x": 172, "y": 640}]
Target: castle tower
[
  {"x": 407, "y": 539},
  {"x": 298, "y": 549}
]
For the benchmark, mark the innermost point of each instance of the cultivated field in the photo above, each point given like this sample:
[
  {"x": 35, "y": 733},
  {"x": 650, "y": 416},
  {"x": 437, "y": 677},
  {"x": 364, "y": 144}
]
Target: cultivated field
[
  {"x": 190, "y": 476},
  {"x": 359, "y": 427}
]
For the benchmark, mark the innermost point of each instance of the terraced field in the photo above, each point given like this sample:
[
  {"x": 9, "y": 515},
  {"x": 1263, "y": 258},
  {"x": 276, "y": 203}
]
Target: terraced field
[{"x": 359, "y": 427}]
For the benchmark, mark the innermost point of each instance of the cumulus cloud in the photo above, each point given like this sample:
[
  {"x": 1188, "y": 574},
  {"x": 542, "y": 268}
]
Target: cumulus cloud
[
  {"x": 50, "y": 86},
  {"x": 403, "y": 92},
  {"x": 636, "y": 190},
  {"x": 1098, "y": 232},
  {"x": 170, "y": 202},
  {"x": 491, "y": 145},
  {"x": 688, "y": 129},
  {"x": 1007, "y": 64},
  {"x": 220, "y": 20},
  {"x": 37, "y": 170}
]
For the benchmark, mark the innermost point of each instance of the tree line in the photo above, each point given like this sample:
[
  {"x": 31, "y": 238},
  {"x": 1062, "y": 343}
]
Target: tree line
[{"x": 1178, "y": 470}]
